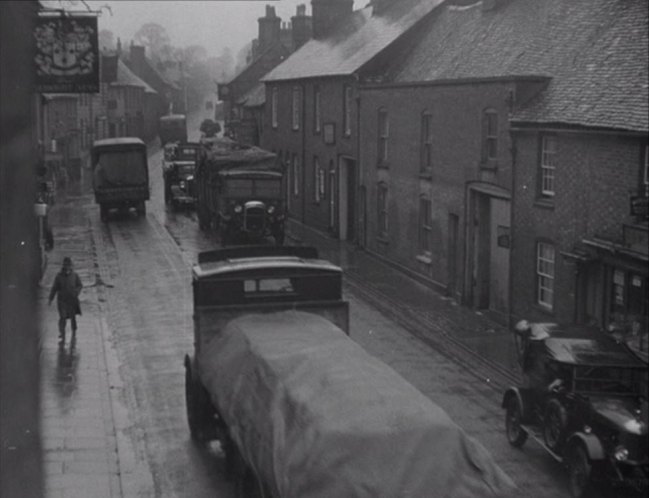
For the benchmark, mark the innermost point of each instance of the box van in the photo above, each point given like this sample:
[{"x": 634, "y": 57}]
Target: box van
[{"x": 120, "y": 174}]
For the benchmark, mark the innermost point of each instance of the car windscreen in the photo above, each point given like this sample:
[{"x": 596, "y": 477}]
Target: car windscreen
[
  {"x": 186, "y": 153},
  {"x": 185, "y": 169},
  {"x": 619, "y": 380},
  {"x": 120, "y": 167}
]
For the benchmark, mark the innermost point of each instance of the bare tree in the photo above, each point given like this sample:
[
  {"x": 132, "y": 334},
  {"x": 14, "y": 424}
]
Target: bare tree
[
  {"x": 156, "y": 39},
  {"x": 106, "y": 40}
]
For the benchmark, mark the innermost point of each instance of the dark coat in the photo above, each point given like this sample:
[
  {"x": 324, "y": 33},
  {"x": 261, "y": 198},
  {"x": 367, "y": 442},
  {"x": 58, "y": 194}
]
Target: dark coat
[{"x": 67, "y": 287}]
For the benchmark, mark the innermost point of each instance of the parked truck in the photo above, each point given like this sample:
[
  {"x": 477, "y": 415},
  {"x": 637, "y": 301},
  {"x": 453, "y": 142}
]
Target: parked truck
[
  {"x": 120, "y": 174},
  {"x": 172, "y": 128},
  {"x": 240, "y": 192},
  {"x": 300, "y": 409}
]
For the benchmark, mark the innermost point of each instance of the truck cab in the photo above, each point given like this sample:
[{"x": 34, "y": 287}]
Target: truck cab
[
  {"x": 299, "y": 408},
  {"x": 241, "y": 193}
]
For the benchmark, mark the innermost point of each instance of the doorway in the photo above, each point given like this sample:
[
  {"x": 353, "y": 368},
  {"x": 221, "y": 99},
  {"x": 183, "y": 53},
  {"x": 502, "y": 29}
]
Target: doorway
[{"x": 346, "y": 200}]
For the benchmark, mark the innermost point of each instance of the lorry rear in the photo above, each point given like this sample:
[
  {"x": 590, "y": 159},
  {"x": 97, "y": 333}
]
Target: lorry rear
[
  {"x": 120, "y": 174},
  {"x": 300, "y": 409}
]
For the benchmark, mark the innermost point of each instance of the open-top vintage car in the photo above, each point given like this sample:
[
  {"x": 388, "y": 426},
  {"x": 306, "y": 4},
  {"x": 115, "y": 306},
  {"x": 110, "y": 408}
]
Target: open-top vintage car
[
  {"x": 584, "y": 400},
  {"x": 179, "y": 168}
]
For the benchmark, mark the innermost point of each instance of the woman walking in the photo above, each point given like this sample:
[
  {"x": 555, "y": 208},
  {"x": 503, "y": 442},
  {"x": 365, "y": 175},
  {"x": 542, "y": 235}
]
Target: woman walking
[{"x": 67, "y": 286}]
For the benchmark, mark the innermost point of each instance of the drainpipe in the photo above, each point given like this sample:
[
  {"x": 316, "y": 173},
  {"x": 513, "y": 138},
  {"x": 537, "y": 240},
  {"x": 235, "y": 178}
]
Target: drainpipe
[
  {"x": 359, "y": 210},
  {"x": 303, "y": 137},
  {"x": 512, "y": 233}
]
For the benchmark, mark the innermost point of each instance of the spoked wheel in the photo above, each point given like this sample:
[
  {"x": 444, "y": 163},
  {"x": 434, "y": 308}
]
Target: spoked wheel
[
  {"x": 516, "y": 435},
  {"x": 554, "y": 425},
  {"x": 579, "y": 472}
]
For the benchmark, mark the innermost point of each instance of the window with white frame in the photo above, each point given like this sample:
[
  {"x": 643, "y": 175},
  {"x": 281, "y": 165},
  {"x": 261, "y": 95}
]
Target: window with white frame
[
  {"x": 273, "y": 106},
  {"x": 489, "y": 135},
  {"x": 545, "y": 274},
  {"x": 296, "y": 175},
  {"x": 425, "y": 226},
  {"x": 426, "y": 141},
  {"x": 296, "y": 108},
  {"x": 317, "y": 118},
  {"x": 383, "y": 132},
  {"x": 548, "y": 164},
  {"x": 382, "y": 210},
  {"x": 316, "y": 179},
  {"x": 347, "y": 110}
]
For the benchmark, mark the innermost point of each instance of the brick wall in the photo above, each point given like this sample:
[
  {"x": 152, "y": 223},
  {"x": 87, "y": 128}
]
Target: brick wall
[
  {"x": 457, "y": 131},
  {"x": 307, "y": 143},
  {"x": 594, "y": 176}
]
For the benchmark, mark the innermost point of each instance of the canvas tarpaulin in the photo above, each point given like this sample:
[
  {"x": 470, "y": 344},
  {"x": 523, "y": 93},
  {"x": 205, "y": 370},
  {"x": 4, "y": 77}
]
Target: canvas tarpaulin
[
  {"x": 118, "y": 168},
  {"x": 318, "y": 417}
]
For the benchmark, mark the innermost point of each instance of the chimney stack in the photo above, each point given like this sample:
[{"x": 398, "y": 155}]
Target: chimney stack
[
  {"x": 269, "y": 28},
  {"x": 327, "y": 14},
  {"x": 302, "y": 27}
]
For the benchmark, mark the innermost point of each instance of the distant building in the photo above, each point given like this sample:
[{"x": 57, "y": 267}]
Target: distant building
[
  {"x": 170, "y": 96},
  {"x": 242, "y": 96}
]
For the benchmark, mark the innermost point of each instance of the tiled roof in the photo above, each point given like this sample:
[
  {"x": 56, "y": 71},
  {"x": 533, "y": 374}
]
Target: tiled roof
[
  {"x": 595, "y": 52},
  {"x": 254, "y": 97},
  {"x": 126, "y": 77},
  {"x": 357, "y": 40}
]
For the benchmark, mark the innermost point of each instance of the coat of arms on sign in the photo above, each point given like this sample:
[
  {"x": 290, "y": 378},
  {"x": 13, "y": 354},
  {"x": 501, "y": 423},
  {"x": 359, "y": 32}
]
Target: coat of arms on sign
[{"x": 64, "y": 48}]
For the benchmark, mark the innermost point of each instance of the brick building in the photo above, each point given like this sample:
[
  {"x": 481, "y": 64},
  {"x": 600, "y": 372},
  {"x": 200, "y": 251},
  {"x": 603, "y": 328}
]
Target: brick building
[
  {"x": 580, "y": 244},
  {"x": 169, "y": 95},
  {"x": 312, "y": 112},
  {"x": 445, "y": 199},
  {"x": 243, "y": 96},
  {"x": 61, "y": 139}
]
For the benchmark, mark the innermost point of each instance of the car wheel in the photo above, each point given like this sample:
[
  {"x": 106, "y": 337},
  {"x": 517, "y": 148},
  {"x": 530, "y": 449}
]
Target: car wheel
[
  {"x": 554, "y": 425},
  {"x": 197, "y": 409},
  {"x": 579, "y": 472},
  {"x": 513, "y": 417}
]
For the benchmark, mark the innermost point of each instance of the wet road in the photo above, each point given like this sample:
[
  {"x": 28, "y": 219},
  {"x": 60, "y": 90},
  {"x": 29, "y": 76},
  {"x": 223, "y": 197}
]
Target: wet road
[{"x": 148, "y": 315}]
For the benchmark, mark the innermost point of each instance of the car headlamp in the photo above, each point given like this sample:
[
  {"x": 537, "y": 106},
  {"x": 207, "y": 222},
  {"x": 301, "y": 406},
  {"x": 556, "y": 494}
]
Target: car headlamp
[
  {"x": 621, "y": 453},
  {"x": 183, "y": 184},
  {"x": 190, "y": 178},
  {"x": 238, "y": 208},
  {"x": 271, "y": 209}
]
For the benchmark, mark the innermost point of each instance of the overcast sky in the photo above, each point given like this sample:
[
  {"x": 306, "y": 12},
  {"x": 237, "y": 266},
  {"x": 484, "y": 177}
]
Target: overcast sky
[{"x": 213, "y": 24}]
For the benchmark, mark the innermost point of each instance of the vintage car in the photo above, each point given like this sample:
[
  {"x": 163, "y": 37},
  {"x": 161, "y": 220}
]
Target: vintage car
[
  {"x": 584, "y": 400},
  {"x": 179, "y": 168}
]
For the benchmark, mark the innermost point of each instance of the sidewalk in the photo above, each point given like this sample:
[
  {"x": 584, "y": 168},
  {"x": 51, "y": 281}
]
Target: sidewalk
[
  {"x": 77, "y": 425},
  {"x": 471, "y": 339}
]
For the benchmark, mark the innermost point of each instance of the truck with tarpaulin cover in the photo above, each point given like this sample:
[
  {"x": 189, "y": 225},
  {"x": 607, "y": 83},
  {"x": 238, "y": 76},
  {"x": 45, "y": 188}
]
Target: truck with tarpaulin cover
[
  {"x": 300, "y": 409},
  {"x": 172, "y": 128},
  {"x": 240, "y": 192},
  {"x": 120, "y": 174}
]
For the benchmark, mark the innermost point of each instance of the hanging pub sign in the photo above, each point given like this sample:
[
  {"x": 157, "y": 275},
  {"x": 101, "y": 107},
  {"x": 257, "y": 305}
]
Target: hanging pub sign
[{"x": 67, "y": 54}]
